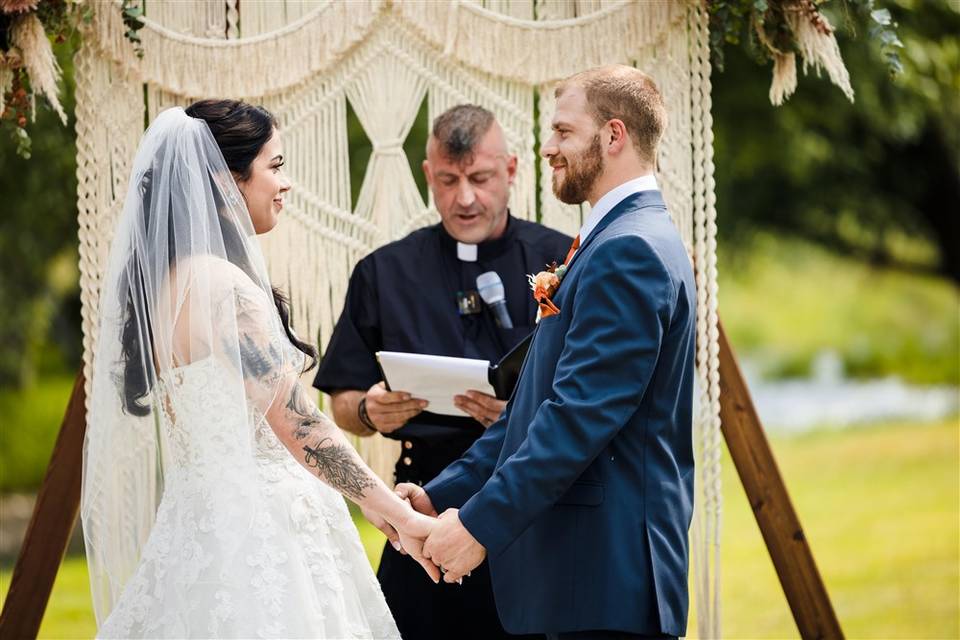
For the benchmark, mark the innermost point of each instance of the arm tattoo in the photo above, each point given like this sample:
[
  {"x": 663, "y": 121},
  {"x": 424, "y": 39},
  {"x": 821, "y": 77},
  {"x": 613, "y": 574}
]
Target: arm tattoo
[
  {"x": 334, "y": 462},
  {"x": 260, "y": 358},
  {"x": 308, "y": 417},
  {"x": 261, "y": 362}
]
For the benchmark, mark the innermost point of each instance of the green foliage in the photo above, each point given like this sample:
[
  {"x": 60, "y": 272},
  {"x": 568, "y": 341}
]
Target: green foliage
[
  {"x": 132, "y": 14},
  {"x": 878, "y": 505},
  {"x": 785, "y": 301},
  {"x": 29, "y": 423},
  {"x": 878, "y": 180},
  {"x": 38, "y": 239},
  {"x": 883, "y": 29}
]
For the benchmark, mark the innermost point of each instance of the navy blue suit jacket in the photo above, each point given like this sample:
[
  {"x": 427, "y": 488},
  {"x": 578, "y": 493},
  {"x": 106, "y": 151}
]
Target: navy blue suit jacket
[{"x": 582, "y": 492}]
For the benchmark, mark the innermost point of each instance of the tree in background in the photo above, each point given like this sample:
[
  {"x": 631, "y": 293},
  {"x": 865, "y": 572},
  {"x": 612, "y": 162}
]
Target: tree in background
[
  {"x": 39, "y": 293},
  {"x": 878, "y": 179}
]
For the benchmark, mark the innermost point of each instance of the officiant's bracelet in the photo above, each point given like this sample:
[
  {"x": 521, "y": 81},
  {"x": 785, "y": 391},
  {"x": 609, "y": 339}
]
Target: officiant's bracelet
[{"x": 364, "y": 416}]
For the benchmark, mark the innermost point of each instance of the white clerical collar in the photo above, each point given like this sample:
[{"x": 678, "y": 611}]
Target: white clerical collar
[
  {"x": 614, "y": 197},
  {"x": 467, "y": 252}
]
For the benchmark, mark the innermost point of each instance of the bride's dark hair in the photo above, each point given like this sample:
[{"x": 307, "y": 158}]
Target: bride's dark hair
[{"x": 240, "y": 131}]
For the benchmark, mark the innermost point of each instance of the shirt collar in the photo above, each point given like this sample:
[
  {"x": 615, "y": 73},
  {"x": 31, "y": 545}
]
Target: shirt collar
[
  {"x": 614, "y": 197},
  {"x": 486, "y": 250}
]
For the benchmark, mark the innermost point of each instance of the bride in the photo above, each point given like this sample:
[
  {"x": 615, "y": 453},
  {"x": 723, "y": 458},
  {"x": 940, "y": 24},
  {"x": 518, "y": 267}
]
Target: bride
[{"x": 202, "y": 510}]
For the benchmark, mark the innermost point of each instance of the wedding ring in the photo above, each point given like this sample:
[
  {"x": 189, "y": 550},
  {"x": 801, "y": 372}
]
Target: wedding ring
[{"x": 443, "y": 570}]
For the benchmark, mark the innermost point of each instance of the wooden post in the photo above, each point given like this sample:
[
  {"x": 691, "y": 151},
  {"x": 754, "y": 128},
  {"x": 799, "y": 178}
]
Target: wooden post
[
  {"x": 761, "y": 479},
  {"x": 54, "y": 516}
]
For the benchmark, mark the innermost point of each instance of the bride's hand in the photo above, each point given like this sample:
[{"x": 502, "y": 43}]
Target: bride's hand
[
  {"x": 413, "y": 531},
  {"x": 385, "y": 527}
]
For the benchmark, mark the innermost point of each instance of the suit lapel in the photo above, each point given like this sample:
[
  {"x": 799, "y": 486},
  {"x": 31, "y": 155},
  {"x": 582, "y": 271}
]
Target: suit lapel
[{"x": 633, "y": 202}]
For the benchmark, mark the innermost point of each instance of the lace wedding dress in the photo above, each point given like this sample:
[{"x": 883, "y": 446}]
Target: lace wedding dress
[
  {"x": 297, "y": 569},
  {"x": 204, "y": 504}
]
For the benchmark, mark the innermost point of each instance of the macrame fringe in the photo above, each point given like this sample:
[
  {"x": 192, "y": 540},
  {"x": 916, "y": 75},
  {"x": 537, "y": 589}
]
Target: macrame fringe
[
  {"x": 536, "y": 52},
  {"x": 464, "y": 30},
  {"x": 706, "y": 527},
  {"x": 253, "y": 66},
  {"x": 304, "y": 73}
]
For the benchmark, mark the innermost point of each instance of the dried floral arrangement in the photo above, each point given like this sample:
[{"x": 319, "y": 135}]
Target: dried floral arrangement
[
  {"x": 28, "y": 66},
  {"x": 780, "y": 30}
]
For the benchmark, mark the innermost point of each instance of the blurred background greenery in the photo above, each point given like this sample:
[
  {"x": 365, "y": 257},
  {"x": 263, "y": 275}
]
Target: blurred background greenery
[{"x": 838, "y": 234}]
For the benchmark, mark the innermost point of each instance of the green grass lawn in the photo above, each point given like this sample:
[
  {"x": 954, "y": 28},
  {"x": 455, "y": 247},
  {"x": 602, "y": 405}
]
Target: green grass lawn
[
  {"x": 783, "y": 302},
  {"x": 29, "y": 427},
  {"x": 880, "y": 509}
]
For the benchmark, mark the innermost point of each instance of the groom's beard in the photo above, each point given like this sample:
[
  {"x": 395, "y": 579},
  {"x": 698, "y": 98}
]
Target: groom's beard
[{"x": 581, "y": 172}]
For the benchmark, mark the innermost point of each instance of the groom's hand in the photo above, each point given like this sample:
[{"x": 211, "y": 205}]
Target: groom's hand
[
  {"x": 417, "y": 497},
  {"x": 452, "y": 548}
]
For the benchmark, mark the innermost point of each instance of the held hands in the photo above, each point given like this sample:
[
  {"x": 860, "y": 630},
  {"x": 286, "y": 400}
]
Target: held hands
[
  {"x": 390, "y": 410},
  {"x": 443, "y": 542},
  {"x": 452, "y": 548},
  {"x": 449, "y": 546},
  {"x": 410, "y": 534},
  {"x": 482, "y": 407},
  {"x": 412, "y": 494}
]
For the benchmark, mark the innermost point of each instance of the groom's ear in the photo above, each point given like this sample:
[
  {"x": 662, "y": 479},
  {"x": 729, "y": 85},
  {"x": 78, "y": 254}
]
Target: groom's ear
[{"x": 615, "y": 136}]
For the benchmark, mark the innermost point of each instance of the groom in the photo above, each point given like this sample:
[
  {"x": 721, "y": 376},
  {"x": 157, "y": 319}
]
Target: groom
[{"x": 581, "y": 493}]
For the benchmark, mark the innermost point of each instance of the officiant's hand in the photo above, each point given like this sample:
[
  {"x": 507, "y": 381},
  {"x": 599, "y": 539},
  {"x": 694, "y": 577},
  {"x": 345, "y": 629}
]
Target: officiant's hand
[
  {"x": 452, "y": 548},
  {"x": 390, "y": 410},
  {"x": 482, "y": 407}
]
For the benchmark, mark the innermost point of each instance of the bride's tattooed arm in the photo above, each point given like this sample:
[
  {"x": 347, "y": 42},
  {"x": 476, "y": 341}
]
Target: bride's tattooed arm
[
  {"x": 334, "y": 461},
  {"x": 273, "y": 386},
  {"x": 272, "y": 383}
]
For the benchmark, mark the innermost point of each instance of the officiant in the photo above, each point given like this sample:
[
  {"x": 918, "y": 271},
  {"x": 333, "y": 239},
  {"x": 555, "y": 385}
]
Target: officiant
[{"x": 420, "y": 294}]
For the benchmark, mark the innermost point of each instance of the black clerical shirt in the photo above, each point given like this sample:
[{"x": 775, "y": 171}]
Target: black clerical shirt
[{"x": 404, "y": 297}]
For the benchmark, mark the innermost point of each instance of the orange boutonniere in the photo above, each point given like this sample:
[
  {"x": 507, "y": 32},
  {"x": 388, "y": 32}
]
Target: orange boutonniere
[{"x": 544, "y": 285}]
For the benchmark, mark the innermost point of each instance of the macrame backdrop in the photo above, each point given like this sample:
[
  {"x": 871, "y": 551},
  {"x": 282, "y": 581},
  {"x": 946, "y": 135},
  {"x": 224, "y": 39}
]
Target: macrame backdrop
[{"x": 306, "y": 59}]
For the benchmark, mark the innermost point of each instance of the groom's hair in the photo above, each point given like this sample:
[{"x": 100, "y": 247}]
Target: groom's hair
[
  {"x": 458, "y": 130},
  {"x": 624, "y": 93}
]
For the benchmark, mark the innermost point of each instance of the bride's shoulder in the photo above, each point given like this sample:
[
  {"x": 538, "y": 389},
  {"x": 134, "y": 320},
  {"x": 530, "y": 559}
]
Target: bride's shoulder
[
  {"x": 214, "y": 274},
  {"x": 219, "y": 283},
  {"x": 207, "y": 266}
]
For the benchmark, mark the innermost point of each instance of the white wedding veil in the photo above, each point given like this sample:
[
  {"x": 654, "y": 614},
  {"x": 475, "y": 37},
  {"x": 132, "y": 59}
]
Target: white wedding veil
[{"x": 183, "y": 250}]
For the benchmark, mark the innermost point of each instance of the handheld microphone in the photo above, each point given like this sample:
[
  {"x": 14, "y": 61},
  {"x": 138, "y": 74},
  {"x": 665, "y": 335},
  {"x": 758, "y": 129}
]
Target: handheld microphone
[{"x": 490, "y": 287}]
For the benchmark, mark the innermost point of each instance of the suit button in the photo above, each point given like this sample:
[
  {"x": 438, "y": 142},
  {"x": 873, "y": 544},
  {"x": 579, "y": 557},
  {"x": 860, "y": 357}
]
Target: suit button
[
  {"x": 407, "y": 461},
  {"x": 407, "y": 444}
]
